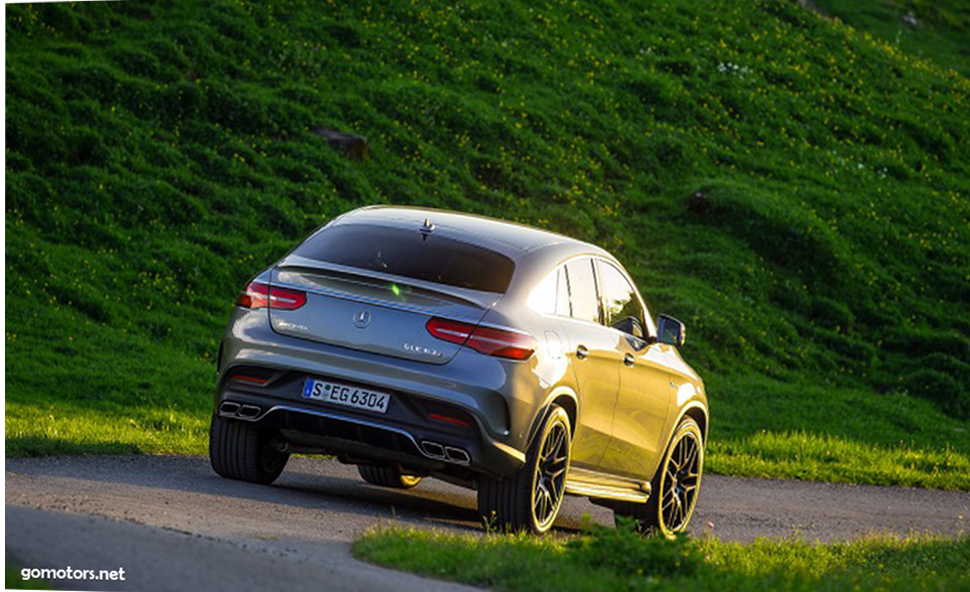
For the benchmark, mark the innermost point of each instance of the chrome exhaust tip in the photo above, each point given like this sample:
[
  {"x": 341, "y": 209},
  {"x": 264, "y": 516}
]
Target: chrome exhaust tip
[
  {"x": 229, "y": 408},
  {"x": 249, "y": 411},
  {"x": 457, "y": 455},
  {"x": 433, "y": 449}
]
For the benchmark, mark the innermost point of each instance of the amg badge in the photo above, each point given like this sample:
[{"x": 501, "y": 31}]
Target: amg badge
[{"x": 420, "y": 349}]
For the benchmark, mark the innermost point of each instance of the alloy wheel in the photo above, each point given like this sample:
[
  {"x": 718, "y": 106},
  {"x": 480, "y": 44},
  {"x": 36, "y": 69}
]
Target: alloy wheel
[
  {"x": 681, "y": 481},
  {"x": 549, "y": 481}
]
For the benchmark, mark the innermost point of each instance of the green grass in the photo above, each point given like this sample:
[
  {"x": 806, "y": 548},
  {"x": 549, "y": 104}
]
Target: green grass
[
  {"x": 811, "y": 457},
  {"x": 939, "y": 35},
  {"x": 906, "y": 440},
  {"x": 150, "y": 398},
  {"x": 160, "y": 154},
  {"x": 618, "y": 559}
]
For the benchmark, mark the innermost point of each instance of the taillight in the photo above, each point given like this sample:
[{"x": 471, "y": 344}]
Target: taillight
[
  {"x": 254, "y": 295},
  {"x": 452, "y": 331},
  {"x": 260, "y": 295},
  {"x": 485, "y": 340},
  {"x": 504, "y": 344},
  {"x": 286, "y": 299}
]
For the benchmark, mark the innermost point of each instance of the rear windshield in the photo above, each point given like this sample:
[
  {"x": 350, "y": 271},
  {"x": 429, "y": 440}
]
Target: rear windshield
[{"x": 409, "y": 253}]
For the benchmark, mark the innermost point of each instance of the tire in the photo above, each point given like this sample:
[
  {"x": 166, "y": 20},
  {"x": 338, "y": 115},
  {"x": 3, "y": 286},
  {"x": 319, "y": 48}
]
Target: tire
[
  {"x": 530, "y": 500},
  {"x": 240, "y": 450},
  {"x": 387, "y": 477},
  {"x": 674, "y": 487}
]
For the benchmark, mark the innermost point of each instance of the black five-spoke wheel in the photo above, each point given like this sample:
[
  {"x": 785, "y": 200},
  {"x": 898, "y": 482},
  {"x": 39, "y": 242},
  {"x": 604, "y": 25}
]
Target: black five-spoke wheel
[
  {"x": 531, "y": 499},
  {"x": 675, "y": 485},
  {"x": 681, "y": 480},
  {"x": 550, "y": 475}
]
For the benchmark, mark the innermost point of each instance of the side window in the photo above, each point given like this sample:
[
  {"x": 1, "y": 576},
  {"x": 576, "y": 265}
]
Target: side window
[
  {"x": 551, "y": 295},
  {"x": 562, "y": 294},
  {"x": 582, "y": 290},
  {"x": 620, "y": 299}
]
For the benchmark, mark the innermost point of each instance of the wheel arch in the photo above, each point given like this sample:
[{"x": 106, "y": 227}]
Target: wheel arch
[
  {"x": 562, "y": 396},
  {"x": 699, "y": 414},
  {"x": 568, "y": 403}
]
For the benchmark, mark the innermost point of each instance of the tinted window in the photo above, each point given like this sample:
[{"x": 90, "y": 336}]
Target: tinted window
[
  {"x": 618, "y": 295},
  {"x": 409, "y": 254},
  {"x": 582, "y": 290},
  {"x": 562, "y": 295},
  {"x": 551, "y": 295}
]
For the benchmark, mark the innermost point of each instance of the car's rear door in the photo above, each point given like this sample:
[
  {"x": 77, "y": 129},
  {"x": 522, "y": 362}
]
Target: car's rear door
[{"x": 596, "y": 362}]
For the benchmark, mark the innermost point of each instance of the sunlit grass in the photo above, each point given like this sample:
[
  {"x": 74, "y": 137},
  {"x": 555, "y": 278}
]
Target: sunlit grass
[
  {"x": 142, "y": 395},
  {"x": 63, "y": 429},
  {"x": 608, "y": 559},
  {"x": 790, "y": 430},
  {"x": 815, "y": 457}
]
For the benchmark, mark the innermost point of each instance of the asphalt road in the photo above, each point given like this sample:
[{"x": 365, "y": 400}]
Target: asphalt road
[{"x": 172, "y": 524}]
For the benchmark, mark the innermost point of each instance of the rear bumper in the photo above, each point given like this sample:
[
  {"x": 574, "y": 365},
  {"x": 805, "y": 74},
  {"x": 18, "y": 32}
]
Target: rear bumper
[
  {"x": 335, "y": 430},
  {"x": 499, "y": 400}
]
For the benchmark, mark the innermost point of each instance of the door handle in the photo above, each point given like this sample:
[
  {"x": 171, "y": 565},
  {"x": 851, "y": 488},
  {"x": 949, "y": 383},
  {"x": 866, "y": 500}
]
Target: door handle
[
  {"x": 628, "y": 359},
  {"x": 582, "y": 353}
]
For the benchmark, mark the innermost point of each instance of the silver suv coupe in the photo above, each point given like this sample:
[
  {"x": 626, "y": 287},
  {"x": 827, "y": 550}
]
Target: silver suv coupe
[{"x": 415, "y": 342}]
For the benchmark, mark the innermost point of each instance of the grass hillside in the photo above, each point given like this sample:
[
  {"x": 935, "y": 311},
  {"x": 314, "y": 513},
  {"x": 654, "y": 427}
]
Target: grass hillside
[
  {"x": 797, "y": 190},
  {"x": 922, "y": 28}
]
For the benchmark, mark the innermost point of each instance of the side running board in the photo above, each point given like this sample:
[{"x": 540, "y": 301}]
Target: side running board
[{"x": 598, "y": 485}]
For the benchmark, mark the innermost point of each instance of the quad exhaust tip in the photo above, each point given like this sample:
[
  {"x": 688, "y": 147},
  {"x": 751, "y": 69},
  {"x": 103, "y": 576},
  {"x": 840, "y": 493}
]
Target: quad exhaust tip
[
  {"x": 433, "y": 449},
  {"x": 233, "y": 409},
  {"x": 457, "y": 455},
  {"x": 229, "y": 408},
  {"x": 249, "y": 411},
  {"x": 446, "y": 453}
]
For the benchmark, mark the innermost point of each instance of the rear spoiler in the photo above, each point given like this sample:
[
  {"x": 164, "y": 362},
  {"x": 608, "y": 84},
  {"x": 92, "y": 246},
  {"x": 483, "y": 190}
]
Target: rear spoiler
[{"x": 392, "y": 284}]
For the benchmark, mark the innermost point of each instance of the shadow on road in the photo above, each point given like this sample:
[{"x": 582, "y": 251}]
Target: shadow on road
[{"x": 308, "y": 483}]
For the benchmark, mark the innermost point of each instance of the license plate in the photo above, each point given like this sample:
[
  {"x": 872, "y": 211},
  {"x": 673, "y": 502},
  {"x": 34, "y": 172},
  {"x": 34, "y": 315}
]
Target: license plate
[{"x": 348, "y": 396}]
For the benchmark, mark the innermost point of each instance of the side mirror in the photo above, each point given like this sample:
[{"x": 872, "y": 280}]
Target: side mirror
[
  {"x": 630, "y": 326},
  {"x": 670, "y": 331}
]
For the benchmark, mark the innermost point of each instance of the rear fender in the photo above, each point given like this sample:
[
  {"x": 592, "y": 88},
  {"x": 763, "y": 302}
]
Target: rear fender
[
  {"x": 669, "y": 432},
  {"x": 544, "y": 409}
]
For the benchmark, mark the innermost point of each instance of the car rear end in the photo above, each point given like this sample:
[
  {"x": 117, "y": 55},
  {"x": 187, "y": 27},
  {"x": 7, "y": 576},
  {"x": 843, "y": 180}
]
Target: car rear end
[{"x": 372, "y": 341}]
